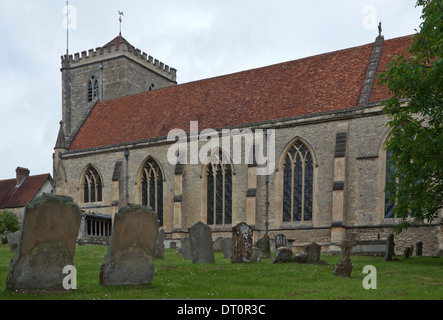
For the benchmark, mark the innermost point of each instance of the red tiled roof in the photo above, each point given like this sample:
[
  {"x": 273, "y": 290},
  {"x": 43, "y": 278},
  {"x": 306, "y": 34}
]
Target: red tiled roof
[
  {"x": 13, "y": 197},
  {"x": 325, "y": 82},
  {"x": 390, "y": 48}
]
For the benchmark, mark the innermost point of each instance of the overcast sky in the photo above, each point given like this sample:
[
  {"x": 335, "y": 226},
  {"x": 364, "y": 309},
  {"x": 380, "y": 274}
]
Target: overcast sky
[{"x": 200, "y": 38}]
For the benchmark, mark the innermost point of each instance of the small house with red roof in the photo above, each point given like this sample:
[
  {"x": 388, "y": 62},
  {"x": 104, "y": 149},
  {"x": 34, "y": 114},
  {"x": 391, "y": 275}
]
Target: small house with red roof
[{"x": 16, "y": 193}]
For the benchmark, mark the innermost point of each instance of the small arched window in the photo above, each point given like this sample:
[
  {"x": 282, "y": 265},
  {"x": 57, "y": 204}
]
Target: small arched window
[
  {"x": 92, "y": 89},
  {"x": 92, "y": 186},
  {"x": 298, "y": 184},
  {"x": 152, "y": 188},
  {"x": 219, "y": 190}
]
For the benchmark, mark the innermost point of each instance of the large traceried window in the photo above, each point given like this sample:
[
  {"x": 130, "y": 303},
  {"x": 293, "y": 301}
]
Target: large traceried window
[
  {"x": 152, "y": 188},
  {"x": 390, "y": 172},
  {"x": 92, "y": 186},
  {"x": 298, "y": 179},
  {"x": 219, "y": 190}
]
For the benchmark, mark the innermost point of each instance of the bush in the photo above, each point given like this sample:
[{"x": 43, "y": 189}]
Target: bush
[{"x": 8, "y": 222}]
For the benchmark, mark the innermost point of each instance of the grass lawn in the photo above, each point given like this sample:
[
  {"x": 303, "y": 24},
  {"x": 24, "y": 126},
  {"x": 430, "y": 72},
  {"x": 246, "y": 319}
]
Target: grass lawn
[{"x": 175, "y": 278}]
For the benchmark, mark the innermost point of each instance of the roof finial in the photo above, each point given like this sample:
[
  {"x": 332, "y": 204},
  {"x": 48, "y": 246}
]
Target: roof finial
[
  {"x": 379, "y": 29},
  {"x": 120, "y": 13}
]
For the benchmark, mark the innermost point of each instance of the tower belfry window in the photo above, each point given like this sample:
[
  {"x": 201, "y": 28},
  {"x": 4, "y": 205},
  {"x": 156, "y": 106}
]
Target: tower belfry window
[{"x": 92, "y": 89}]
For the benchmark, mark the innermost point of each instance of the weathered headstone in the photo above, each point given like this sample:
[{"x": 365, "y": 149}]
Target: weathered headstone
[
  {"x": 227, "y": 248},
  {"x": 201, "y": 243},
  {"x": 389, "y": 247},
  {"x": 160, "y": 244},
  {"x": 265, "y": 246},
  {"x": 419, "y": 249},
  {"x": 13, "y": 240},
  {"x": 241, "y": 243},
  {"x": 256, "y": 255},
  {"x": 280, "y": 241},
  {"x": 312, "y": 252},
  {"x": 218, "y": 247},
  {"x": 186, "y": 248},
  {"x": 282, "y": 255},
  {"x": 47, "y": 244},
  {"x": 344, "y": 266},
  {"x": 173, "y": 245},
  {"x": 407, "y": 252},
  {"x": 130, "y": 257}
]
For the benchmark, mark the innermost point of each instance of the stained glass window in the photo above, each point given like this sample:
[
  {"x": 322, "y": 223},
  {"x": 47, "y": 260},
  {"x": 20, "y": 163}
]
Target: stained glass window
[
  {"x": 219, "y": 190},
  {"x": 298, "y": 178},
  {"x": 92, "y": 187},
  {"x": 152, "y": 188}
]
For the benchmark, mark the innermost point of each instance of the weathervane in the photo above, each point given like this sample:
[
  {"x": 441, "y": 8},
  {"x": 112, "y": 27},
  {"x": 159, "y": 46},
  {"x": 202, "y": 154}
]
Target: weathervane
[{"x": 120, "y": 19}]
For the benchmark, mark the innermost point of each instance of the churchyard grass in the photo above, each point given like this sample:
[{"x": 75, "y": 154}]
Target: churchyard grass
[{"x": 175, "y": 278}]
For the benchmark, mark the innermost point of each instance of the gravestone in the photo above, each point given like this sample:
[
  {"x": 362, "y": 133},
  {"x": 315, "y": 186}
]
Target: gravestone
[
  {"x": 265, "y": 246},
  {"x": 13, "y": 240},
  {"x": 173, "y": 245},
  {"x": 407, "y": 252},
  {"x": 160, "y": 244},
  {"x": 241, "y": 243},
  {"x": 130, "y": 257},
  {"x": 227, "y": 248},
  {"x": 419, "y": 249},
  {"x": 218, "y": 247},
  {"x": 47, "y": 244},
  {"x": 256, "y": 255},
  {"x": 344, "y": 266},
  {"x": 201, "y": 243},
  {"x": 280, "y": 241},
  {"x": 312, "y": 252},
  {"x": 282, "y": 255},
  {"x": 389, "y": 247},
  {"x": 186, "y": 248}
]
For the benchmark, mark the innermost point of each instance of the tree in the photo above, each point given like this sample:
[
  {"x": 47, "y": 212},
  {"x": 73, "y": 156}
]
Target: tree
[
  {"x": 415, "y": 112},
  {"x": 8, "y": 222}
]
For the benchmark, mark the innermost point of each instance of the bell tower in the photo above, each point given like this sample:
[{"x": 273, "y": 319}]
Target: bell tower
[{"x": 114, "y": 70}]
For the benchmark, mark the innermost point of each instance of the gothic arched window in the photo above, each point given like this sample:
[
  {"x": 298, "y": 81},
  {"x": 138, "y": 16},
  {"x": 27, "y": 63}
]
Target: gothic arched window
[
  {"x": 92, "y": 186},
  {"x": 152, "y": 188},
  {"x": 92, "y": 89},
  {"x": 390, "y": 172},
  {"x": 219, "y": 190},
  {"x": 298, "y": 179}
]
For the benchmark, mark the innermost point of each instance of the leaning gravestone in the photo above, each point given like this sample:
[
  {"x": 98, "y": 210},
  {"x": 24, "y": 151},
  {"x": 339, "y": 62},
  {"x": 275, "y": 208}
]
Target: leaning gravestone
[
  {"x": 47, "y": 244},
  {"x": 130, "y": 257},
  {"x": 282, "y": 255},
  {"x": 227, "y": 248},
  {"x": 186, "y": 248},
  {"x": 160, "y": 244},
  {"x": 241, "y": 243},
  {"x": 389, "y": 247},
  {"x": 264, "y": 245},
  {"x": 344, "y": 266},
  {"x": 201, "y": 243}
]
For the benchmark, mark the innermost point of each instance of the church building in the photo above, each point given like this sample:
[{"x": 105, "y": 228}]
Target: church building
[{"x": 323, "y": 113}]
